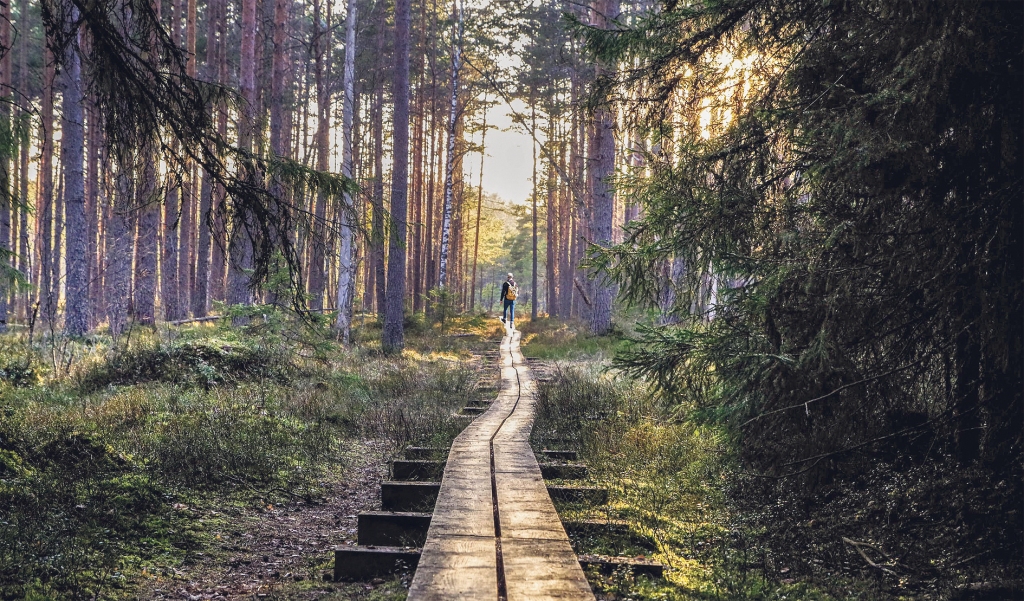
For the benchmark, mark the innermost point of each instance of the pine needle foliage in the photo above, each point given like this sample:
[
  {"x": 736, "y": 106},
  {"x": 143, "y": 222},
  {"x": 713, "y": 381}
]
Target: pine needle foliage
[
  {"x": 139, "y": 78},
  {"x": 860, "y": 212}
]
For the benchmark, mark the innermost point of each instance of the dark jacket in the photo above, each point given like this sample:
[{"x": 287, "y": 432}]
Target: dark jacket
[{"x": 504, "y": 289}]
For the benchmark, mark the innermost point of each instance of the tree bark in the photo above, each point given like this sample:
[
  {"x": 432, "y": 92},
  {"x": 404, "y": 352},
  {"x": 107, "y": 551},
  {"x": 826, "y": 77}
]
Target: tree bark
[
  {"x": 479, "y": 207},
  {"x": 201, "y": 292},
  {"x": 321, "y": 45},
  {"x": 449, "y": 172},
  {"x": 602, "y": 162},
  {"x": 393, "y": 337},
  {"x": 6, "y": 190},
  {"x": 534, "y": 288},
  {"x": 239, "y": 289},
  {"x": 76, "y": 321},
  {"x": 45, "y": 223},
  {"x": 346, "y": 213}
]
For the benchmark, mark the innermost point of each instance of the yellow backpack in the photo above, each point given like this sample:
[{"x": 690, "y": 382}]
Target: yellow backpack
[{"x": 513, "y": 292}]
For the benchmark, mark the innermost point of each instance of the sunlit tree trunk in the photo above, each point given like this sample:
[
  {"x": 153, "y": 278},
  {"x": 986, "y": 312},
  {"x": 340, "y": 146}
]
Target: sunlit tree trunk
[
  {"x": 239, "y": 290},
  {"x": 393, "y": 337},
  {"x": 551, "y": 299},
  {"x": 449, "y": 171},
  {"x": 169, "y": 278},
  {"x": 321, "y": 49},
  {"x": 534, "y": 288},
  {"x": 201, "y": 292},
  {"x": 76, "y": 320},
  {"x": 602, "y": 161},
  {"x": 479, "y": 207},
  {"x": 188, "y": 234},
  {"x": 6, "y": 190},
  {"x": 46, "y": 300},
  {"x": 346, "y": 213},
  {"x": 25, "y": 265}
]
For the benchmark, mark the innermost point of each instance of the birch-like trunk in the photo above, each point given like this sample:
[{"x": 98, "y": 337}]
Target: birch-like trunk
[
  {"x": 449, "y": 168},
  {"x": 76, "y": 320},
  {"x": 346, "y": 213}
]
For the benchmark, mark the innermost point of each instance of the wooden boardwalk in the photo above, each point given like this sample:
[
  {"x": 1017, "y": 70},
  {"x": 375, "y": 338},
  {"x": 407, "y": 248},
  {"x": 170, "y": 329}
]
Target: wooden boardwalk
[{"x": 495, "y": 532}]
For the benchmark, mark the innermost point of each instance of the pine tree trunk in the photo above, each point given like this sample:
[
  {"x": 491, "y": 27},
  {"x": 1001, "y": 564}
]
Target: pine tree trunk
[
  {"x": 479, "y": 208},
  {"x": 346, "y": 213},
  {"x": 449, "y": 172},
  {"x": 534, "y": 288},
  {"x": 602, "y": 161},
  {"x": 169, "y": 243},
  {"x": 322, "y": 42},
  {"x": 393, "y": 338},
  {"x": 119, "y": 252},
  {"x": 76, "y": 321},
  {"x": 201, "y": 292},
  {"x": 551, "y": 298},
  {"x": 6, "y": 189},
  {"x": 239, "y": 290},
  {"x": 188, "y": 234},
  {"x": 376, "y": 255},
  {"x": 46, "y": 299}
]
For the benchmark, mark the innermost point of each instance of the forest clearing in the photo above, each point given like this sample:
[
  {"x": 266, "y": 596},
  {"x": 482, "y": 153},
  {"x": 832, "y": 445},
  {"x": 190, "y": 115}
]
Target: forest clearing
[{"x": 494, "y": 299}]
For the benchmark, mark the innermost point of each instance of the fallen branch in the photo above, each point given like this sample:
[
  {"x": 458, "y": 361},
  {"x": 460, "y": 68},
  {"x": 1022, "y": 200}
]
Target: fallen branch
[{"x": 860, "y": 546}]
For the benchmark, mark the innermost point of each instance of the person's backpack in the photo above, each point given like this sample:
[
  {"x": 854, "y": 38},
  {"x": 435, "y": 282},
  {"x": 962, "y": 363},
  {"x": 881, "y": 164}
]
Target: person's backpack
[{"x": 513, "y": 292}]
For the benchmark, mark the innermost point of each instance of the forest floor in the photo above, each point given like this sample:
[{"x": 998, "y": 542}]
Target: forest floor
[{"x": 211, "y": 463}]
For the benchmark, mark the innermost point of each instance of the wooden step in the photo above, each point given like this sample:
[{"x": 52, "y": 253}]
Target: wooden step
[
  {"x": 591, "y": 495},
  {"x": 393, "y": 528},
  {"x": 606, "y": 564},
  {"x": 563, "y": 471},
  {"x": 468, "y": 410},
  {"x": 417, "y": 469},
  {"x": 559, "y": 455},
  {"x": 583, "y": 527},
  {"x": 431, "y": 453},
  {"x": 365, "y": 563},
  {"x": 479, "y": 403},
  {"x": 408, "y": 496}
]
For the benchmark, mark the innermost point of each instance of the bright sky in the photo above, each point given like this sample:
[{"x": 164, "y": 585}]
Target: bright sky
[{"x": 508, "y": 165}]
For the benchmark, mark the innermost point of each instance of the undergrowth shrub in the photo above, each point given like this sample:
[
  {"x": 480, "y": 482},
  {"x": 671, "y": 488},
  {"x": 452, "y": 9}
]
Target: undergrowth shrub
[
  {"x": 415, "y": 402},
  {"x": 205, "y": 362}
]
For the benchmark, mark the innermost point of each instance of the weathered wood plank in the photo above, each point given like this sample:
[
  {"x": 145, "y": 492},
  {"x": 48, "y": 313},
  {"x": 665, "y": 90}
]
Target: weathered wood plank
[{"x": 460, "y": 556}]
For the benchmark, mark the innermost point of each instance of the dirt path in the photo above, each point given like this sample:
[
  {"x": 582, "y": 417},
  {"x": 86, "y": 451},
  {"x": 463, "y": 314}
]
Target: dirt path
[{"x": 279, "y": 551}]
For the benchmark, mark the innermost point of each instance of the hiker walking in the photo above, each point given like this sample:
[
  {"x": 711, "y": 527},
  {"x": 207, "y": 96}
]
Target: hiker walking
[{"x": 509, "y": 292}]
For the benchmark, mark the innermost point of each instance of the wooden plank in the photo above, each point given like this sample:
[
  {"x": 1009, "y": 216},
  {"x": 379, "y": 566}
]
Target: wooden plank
[{"x": 460, "y": 556}]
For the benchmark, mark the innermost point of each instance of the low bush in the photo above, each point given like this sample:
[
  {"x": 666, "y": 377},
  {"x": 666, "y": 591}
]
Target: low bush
[{"x": 204, "y": 361}]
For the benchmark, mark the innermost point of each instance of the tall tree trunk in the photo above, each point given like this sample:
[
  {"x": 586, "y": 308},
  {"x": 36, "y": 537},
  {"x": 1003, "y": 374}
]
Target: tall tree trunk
[
  {"x": 25, "y": 264},
  {"x": 453, "y": 119},
  {"x": 169, "y": 278},
  {"x": 119, "y": 251},
  {"x": 201, "y": 292},
  {"x": 346, "y": 213},
  {"x": 93, "y": 208},
  {"x": 393, "y": 338},
  {"x": 551, "y": 298},
  {"x": 322, "y": 44},
  {"x": 6, "y": 190},
  {"x": 148, "y": 222},
  {"x": 72, "y": 141},
  {"x": 602, "y": 162},
  {"x": 376, "y": 254},
  {"x": 479, "y": 207},
  {"x": 239, "y": 289},
  {"x": 219, "y": 218},
  {"x": 279, "y": 146},
  {"x": 188, "y": 234},
  {"x": 534, "y": 288},
  {"x": 417, "y": 167},
  {"x": 45, "y": 224}
]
